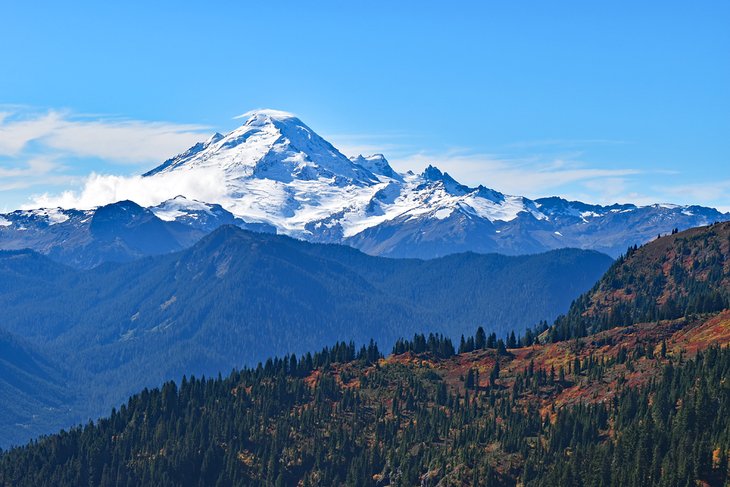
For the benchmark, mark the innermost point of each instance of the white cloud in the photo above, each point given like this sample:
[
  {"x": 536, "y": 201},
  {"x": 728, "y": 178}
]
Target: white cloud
[
  {"x": 114, "y": 140},
  {"x": 37, "y": 166},
  {"x": 564, "y": 143},
  {"x": 36, "y": 171},
  {"x": 701, "y": 193},
  {"x": 101, "y": 189},
  {"x": 265, "y": 111},
  {"x": 54, "y": 149}
]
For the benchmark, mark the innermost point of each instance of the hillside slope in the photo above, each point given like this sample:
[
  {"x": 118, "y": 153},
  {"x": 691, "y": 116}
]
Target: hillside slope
[
  {"x": 32, "y": 390},
  {"x": 646, "y": 405},
  {"x": 673, "y": 276}
]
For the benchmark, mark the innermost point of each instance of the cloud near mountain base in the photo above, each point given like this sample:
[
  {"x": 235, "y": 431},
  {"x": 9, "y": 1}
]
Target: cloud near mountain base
[{"x": 101, "y": 189}]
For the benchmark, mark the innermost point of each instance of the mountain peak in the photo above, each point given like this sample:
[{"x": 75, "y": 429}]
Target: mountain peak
[
  {"x": 264, "y": 118},
  {"x": 213, "y": 139},
  {"x": 376, "y": 164},
  {"x": 272, "y": 145},
  {"x": 433, "y": 174},
  {"x": 263, "y": 115}
]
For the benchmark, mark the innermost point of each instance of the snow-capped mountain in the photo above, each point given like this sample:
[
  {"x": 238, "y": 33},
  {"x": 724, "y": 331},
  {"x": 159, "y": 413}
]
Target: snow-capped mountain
[
  {"x": 278, "y": 171},
  {"x": 271, "y": 145},
  {"x": 279, "y": 175}
]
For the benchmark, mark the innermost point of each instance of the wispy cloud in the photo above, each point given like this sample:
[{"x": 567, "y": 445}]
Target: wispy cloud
[
  {"x": 115, "y": 140},
  {"x": 702, "y": 193},
  {"x": 36, "y": 171},
  {"x": 37, "y": 166},
  {"x": 529, "y": 144},
  {"x": 40, "y": 150}
]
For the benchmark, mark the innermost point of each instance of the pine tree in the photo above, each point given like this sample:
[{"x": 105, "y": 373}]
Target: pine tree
[
  {"x": 480, "y": 339},
  {"x": 494, "y": 375},
  {"x": 512, "y": 340}
]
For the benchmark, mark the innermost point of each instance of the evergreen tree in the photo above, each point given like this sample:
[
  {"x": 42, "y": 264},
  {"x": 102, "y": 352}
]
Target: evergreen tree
[{"x": 480, "y": 339}]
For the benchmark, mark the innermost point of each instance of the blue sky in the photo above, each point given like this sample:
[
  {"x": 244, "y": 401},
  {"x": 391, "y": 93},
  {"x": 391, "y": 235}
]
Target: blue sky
[{"x": 600, "y": 101}]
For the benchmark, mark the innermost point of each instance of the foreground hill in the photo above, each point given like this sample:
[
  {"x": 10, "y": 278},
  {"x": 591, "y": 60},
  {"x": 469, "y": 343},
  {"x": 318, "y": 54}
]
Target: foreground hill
[
  {"x": 274, "y": 173},
  {"x": 642, "y": 405},
  {"x": 675, "y": 275},
  {"x": 237, "y": 297}
]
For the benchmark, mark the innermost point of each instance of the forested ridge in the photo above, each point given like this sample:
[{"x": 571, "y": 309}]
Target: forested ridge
[
  {"x": 426, "y": 415},
  {"x": 676, "y": 275}
]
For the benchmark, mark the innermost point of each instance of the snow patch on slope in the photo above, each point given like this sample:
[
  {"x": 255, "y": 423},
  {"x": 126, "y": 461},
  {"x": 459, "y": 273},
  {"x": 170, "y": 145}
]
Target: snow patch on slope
[
  {"x": 52, "y": 216},
  {"x": 178, "y": 206}
]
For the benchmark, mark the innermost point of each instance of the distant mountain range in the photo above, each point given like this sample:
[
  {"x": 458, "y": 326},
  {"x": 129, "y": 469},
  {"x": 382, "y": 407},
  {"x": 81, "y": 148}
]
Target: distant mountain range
[
  {"x": 233, "y": 299},
  {"x": 279, "y": 176},
  {"x": 119, "y": 232}
]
